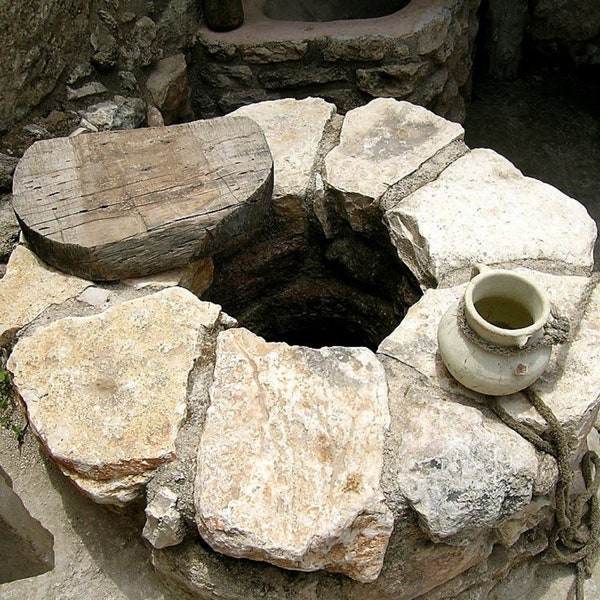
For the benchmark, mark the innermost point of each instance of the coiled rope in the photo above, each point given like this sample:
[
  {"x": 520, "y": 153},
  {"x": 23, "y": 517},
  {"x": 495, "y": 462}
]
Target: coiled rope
[{"x": 575, "y": 535}]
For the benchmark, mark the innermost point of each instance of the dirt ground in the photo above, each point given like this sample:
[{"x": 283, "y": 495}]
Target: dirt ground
[{"x": 99, "y": 554}]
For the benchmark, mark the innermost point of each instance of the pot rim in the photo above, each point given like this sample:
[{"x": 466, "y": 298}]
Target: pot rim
[{"x": 509, "y": 335}]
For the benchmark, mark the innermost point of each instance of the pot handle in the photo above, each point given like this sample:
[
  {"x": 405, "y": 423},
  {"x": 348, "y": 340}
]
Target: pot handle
[{"x": 479, "y": 268}]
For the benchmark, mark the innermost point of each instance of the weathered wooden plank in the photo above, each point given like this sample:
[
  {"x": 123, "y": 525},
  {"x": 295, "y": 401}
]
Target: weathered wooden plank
[{"x": 121, "y": 204}]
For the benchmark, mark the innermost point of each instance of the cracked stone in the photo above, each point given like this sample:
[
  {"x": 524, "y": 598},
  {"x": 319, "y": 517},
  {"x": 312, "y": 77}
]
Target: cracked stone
[{"x": 293, "y": 483}]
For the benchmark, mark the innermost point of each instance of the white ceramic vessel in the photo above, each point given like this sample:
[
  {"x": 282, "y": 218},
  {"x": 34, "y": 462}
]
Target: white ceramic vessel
[{"x": 506, "y": 310}]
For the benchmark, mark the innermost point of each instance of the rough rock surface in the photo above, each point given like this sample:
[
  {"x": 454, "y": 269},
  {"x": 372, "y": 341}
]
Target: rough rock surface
[
  {"x": 382, "y": 144},
  {"x": 120, "y": 113},
  {"x": 294, "y": 140},
  {"x": 571, "y": 20},
  {"x": 570, "y": 384},
  {"x": 466, "y": 477},
  {"x": 164, "y": 524},
  {"x": 28, "y": 288},
  {"x": 37, "y": 38},
  {"x": 506, "y": 23},
  {"x": 142, "y": 47},
  {"x": 9, "y": 228},
  {"x": 421, "y": 53},
  {"x": 168, "y": 84},
  {"x": 304, "y": 446},
  {"x": 117, "y": 394},
  {"x": 91, "y": 88},
  {"x": 7, "y": 168},
  {"x": 498, "y": 212}
]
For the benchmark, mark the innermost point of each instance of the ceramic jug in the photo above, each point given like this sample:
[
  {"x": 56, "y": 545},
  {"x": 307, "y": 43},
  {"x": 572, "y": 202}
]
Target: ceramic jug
[{"x": 507, "y": 312}]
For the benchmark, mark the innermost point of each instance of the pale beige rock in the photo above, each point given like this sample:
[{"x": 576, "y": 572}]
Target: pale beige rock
[
  {"x": 510, "y": 529},
  {"x": 94, "y": 296},
  {"x": 291, "y": 455},
  {"x": 294, "y": 130},
  {"x": 106, "y": 394},
  {"x": 154, "y": 117},
  {"x": 482, "y": 209},
  {"x": 164, "y": 523},
  {"x": 168, "y": 84},
  {"x": 381, "y": 144},
  {"x": 119, "y": 491},
  {"x": 571, "y": 384},
  {"x": 460, "y": 468},
  {"x": 28, "y": 288}
]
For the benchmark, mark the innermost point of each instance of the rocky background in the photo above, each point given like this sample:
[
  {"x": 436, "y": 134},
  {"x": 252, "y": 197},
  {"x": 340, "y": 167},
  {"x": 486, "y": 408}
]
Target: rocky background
[
  {"x": 561, "y": 34},
  {"x": 74, "y": 66},
  {"x": 62, "y": 55}
]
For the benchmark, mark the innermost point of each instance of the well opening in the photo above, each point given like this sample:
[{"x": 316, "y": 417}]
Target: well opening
[
  {"x": 332, "y": 10},
  {"x": 315, "y": 293}
]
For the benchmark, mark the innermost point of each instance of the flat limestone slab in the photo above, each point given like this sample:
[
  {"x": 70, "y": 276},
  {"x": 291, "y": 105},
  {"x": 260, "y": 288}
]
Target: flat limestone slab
[
  {"x": 291, "y": 455},
  {"x": 460, "y": 468},
  {"x": 482, "y": 209},
  {"x": 382, "y": 144},
  {"x": 122, "y": 204},
  {"x": 106, "y": 394},
  {"x": 294, "y": 130}
]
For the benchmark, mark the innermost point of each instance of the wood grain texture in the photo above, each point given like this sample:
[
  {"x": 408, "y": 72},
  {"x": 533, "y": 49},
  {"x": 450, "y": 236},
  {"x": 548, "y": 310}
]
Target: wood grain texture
[{"x": 120, "y": 204}]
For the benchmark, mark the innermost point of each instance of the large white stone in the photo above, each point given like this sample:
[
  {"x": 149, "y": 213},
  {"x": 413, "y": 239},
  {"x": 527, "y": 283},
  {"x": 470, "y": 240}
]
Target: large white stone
[
  {"x": 482, "y": 209},
  {"x": 291, "y": 455},
  {"x": 570, "y": 384},
  {"x": 168, "y": 84},
  {"x": 29, "y": 287},
  {"x": 381, "y": 144},
  {"x": 459, "y": 467},
  {"x": 106, "y": 394},
  {"x": 294, "y": 130}
]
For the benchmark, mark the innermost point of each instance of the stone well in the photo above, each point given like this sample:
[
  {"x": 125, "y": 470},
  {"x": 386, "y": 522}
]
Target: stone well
[
  {"x": 283, "y": 405},
  {"x": 420, "y": 51}
]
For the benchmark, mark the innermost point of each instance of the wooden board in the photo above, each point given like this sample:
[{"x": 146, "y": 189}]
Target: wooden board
[{"x": 121, "y": 204}]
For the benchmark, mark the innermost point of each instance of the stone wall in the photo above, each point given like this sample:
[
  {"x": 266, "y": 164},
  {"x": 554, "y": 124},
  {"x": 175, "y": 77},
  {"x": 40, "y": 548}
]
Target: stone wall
[
  {"x": 421, "y": 54},
  {"x": 568, "y": 29},
  {"x": 75, "y": 52},
  {"x": 64, "y": 55},
  {"x": 38, "y": 41}
]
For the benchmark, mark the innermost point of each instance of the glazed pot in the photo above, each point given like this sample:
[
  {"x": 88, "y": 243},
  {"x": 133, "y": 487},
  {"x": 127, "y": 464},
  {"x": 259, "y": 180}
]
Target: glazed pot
[{"x": 507, "y": 312}]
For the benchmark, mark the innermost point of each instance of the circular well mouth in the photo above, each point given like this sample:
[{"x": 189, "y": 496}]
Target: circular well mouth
[{"x": 307, "y": 292}]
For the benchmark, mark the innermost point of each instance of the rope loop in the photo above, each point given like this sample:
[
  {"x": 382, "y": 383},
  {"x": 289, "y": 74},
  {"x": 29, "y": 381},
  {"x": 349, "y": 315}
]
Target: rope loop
[
  {"x": 575, "y": 538},
  {"x": 556, "y": 331}
]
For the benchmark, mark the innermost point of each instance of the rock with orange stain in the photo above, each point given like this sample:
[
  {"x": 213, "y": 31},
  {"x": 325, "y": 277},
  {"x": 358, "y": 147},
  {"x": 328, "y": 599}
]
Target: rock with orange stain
[{"x": 290, "y": 459}]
